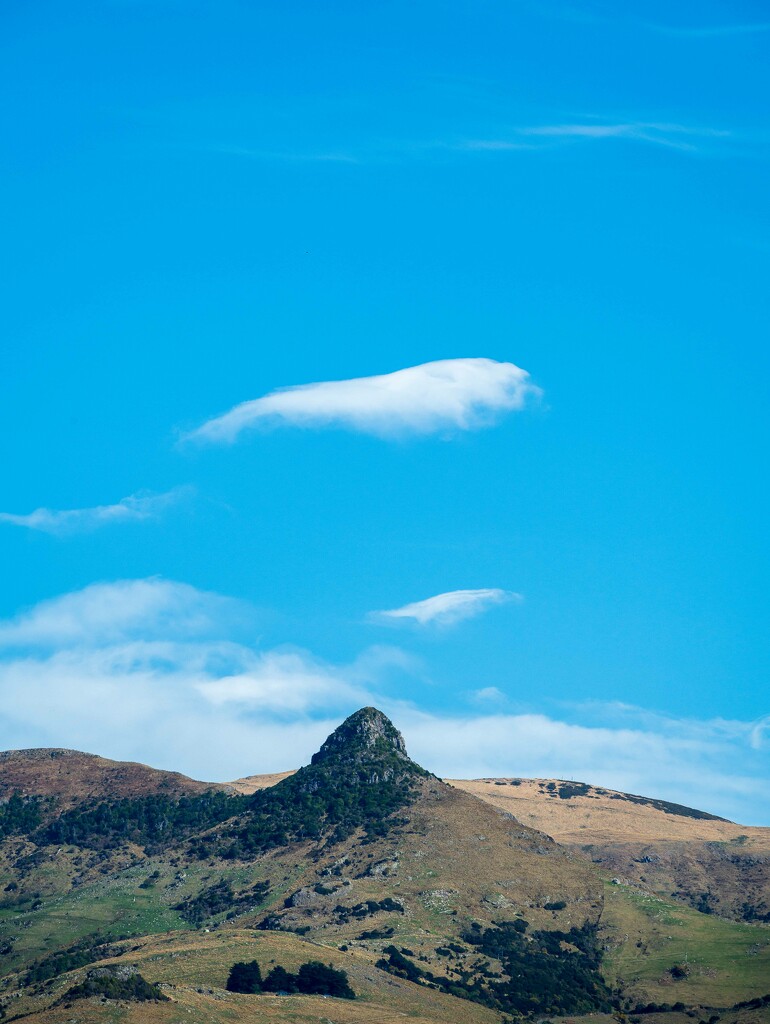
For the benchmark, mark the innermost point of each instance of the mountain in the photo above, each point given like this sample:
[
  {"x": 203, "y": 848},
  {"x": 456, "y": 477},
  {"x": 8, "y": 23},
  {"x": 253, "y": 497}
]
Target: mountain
[{"x": 436, "y": 904}]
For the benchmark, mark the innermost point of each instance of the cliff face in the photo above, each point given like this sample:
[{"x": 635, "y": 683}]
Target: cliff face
[{"x": 363, "y": 735}]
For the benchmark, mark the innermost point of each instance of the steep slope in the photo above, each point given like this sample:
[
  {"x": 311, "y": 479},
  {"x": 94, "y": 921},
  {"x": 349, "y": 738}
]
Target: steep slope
[{"x": 711, "y": 864}]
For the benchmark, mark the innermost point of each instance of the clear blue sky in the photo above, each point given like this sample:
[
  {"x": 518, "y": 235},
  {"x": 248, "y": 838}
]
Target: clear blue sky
[{"x": 206, "y": 202}]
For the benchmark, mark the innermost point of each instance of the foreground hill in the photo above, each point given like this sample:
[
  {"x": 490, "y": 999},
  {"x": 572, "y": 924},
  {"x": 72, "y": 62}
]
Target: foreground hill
[
  {"x": 711, "y": 864},
  {"x": 437, "y": 904}
]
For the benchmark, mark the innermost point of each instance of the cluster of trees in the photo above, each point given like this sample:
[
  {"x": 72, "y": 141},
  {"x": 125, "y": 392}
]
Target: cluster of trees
[
  {"x": 350, "y": 784},
  {"x": 552, "y": 972},
  {"x": 318, "y": 801},
  {"x": 367, "y": 908},
  {"x": 322, "y": 800},
  {"x": 116, "y": 984},
  {"x": 313, "y": 978},
  {"x": 155, "y": 822},
  {"x": 86, "y": 951},
  {"x": 666, "y": 806},
  {"x": 20, "y": 814}
]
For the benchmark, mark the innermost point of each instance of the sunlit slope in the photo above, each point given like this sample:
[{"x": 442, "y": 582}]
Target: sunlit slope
[
  {"x": 662, "y": 952},
  {"x": 711, "y": 864},
  {"x": 193, "y": 967},
  {"x": 72, "y": 776}
]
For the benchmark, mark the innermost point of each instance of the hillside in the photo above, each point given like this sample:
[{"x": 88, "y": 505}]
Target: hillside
[
  {"x": 436, "y": 904},
  {"x": 71, "y": 776},
  {"x": 711, "y": 864}
]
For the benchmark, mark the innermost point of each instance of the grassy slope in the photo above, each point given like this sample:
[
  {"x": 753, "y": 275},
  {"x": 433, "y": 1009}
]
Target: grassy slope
[
  {"x": 71, "y": 774},
  {"x": 726, "y": 864},
  {"x": 645, "y": 936},
  {"x": 193, "y": 968},
  {"x": 601, "y": 817}
]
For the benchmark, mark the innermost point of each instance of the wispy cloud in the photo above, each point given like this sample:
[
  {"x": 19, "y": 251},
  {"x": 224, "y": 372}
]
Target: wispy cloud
[
  {"x": 705, "y": 31},
  {"x": 152, "y": 670},
  {"x": 447, "y": 609},
  {"x": 760, "y": 733},
  {"x": 134, "y": 508},
  {"x": 319, "y": 157},
  {"x": 450, "y": 394},
  {"x": 676, "y": 136}
]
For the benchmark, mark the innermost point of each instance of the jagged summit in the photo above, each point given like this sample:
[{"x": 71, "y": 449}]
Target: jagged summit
[
  {"x": 359, "y": 779},
  {"x": 367, "y": 733}
]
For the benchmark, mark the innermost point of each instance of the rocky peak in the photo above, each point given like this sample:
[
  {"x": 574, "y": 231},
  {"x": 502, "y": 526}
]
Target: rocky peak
[{"x": 365, "y": 735}]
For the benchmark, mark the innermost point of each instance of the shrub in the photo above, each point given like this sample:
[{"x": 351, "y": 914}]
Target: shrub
[{"x": 245, "y": 977}]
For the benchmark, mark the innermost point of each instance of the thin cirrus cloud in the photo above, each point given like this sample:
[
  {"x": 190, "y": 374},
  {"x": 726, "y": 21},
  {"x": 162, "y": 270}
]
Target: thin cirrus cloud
[
  {"x": 706, "y": 31},
  {"x": 446, "y": 395},
  {"x": 675, "y": 136},
  {"x": 446, "y": 609},
  {"x": 60, "y": 522}
]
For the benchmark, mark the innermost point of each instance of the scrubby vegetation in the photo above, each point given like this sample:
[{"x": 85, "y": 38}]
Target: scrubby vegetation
[
  {"x": 116, "y": 983},
  {"x": 21, "y": 814},
  {"x": 551, "y": 972},
  {"x": 667, "y": 807},
  {"x": 87, "y": 951},
  {"x": 354, "y": 781},
  {"x": 313, "y": 978},
  {"x": 567, "y": 790},
  {"x": 155, "y": 822},
  {"x": 218, "y": 898},
  {"x": 359, "y": 779},
  {"x": 367, "y": 909}
]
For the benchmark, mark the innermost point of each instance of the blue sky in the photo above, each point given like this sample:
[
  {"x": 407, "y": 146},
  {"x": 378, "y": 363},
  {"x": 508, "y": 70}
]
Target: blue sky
[{"x": 541, "y": 544}]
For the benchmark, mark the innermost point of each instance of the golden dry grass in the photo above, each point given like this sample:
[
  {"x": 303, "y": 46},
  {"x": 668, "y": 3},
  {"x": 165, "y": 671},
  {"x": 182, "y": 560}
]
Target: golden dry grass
[
  {"x": 251, "y": 783},
  {"x": 193, "y": 967},
  {"x": 72, "y": 776},
  {"x": 718, "y": 865},
  {"x": 598, "y": 818}
]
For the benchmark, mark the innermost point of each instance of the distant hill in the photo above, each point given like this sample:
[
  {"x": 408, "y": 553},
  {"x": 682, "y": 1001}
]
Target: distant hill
[
  {"x": 678, "y": 852},
  {"x": 72, "y": 776}
]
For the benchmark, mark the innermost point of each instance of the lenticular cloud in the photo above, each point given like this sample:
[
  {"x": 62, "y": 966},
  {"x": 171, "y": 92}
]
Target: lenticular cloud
[
  {"x": 450, "y": 394},
  {"x": 448, "y": 609}
]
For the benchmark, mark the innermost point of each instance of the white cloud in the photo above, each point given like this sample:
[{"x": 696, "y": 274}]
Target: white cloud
[
  {"x": 134, "y": 508},
  {"x": 447, "y": 609},
  {"x": 700, "y": 764},
  {"x": 112, "y": 612},
  {"x": 147, "y": 670},
  {"x": 450, "y": 394}
]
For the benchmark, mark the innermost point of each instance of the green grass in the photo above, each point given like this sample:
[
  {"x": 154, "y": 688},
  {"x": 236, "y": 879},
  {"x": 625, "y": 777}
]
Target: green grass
[{"x": 725, "y": 961}]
